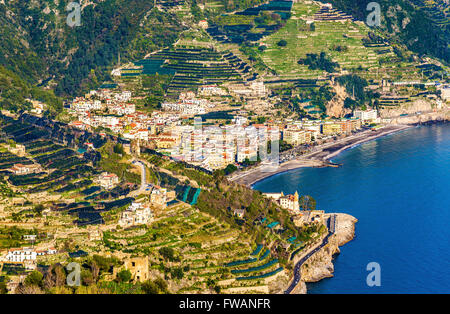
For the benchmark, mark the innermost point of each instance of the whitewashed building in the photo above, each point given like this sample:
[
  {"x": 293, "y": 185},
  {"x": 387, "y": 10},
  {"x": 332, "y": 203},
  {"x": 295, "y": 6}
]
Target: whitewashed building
[
  {"x": 108, "y": 180},
  {"x": 366, "y": 115},
  {"x": 20, "y": 255},
  {"x": 136, "y": 214}
]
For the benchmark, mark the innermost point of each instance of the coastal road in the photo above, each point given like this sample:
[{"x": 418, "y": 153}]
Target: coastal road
[
  {"x": 143, "y": 174},
  {"x": 298, "y": 265}
]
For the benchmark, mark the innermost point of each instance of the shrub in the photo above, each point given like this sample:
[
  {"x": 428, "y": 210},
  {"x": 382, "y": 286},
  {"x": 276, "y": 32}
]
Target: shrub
[
  {"x": 35, "y": 278},
  {"x": 282, "y": 43},
  {"x": 124, "y": 275}
]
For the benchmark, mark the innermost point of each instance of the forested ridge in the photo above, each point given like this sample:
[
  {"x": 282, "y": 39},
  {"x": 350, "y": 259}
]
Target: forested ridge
[{"x": 39, "y": 46}]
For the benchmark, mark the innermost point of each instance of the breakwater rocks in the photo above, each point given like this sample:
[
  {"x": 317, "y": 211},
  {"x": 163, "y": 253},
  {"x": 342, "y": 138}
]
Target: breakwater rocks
[{"x": 320, "y": 265}]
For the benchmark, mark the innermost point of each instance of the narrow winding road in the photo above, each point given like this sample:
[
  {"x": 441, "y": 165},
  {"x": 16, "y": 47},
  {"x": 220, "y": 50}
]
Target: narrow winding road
[
  {"x": 143, "y": 176},
  {"x": 298, "y": 266}
]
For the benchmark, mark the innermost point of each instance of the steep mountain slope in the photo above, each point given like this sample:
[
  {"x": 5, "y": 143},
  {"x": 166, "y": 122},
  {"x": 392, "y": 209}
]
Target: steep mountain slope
[
  {"x": 38, "y": 44},
  {"x": 40, "y": 49},
  {"x": 422, "y": 25}
]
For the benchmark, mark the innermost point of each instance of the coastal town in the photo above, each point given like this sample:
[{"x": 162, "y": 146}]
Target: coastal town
[
  {"x": 145, "y": 180},
  {"x": 177, "y": 130}
]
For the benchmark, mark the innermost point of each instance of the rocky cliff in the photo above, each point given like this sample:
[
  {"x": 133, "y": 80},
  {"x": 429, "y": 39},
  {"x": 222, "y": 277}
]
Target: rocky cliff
[
  {"x": 320, "y": 265},
  {"x": 335, "y": 107}
]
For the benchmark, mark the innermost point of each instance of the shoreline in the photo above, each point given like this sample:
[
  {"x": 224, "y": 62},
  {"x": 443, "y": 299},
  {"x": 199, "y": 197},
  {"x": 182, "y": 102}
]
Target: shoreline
[
  {"x": 319, "y": 260},
  {"x": 319, "y": 158},
  {"x": 368, "y": 139}
]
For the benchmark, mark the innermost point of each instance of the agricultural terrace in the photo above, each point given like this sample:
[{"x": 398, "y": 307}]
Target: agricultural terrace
[
  {"x": 61, "y": 173},
  {"x": 251, "y": 24},
  {"x": 190, "y": 67},
  {"x": 341, "y": 40},
  {"x": 197, "y": 244}
]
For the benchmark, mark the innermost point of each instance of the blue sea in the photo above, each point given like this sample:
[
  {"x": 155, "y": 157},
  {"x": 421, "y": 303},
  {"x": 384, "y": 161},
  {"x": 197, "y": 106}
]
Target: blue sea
[{"x": 398, "y": 187}]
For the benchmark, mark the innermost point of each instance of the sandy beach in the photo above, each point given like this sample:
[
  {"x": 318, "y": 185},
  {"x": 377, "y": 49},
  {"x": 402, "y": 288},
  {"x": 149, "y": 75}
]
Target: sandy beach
[{"x": 318, "y": 158}]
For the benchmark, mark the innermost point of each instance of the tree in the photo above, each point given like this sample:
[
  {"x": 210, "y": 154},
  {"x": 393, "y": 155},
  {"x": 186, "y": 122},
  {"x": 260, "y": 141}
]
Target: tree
[
  {"x": 177, "y": 273},
  {"x": 350, "y": 103},
  {"x": 124, "y": 276},
  {"x": 95, "y": 270},
  {"x": 104, "y": 263},
  {"x": 319, "y": 61},
  {"x": 307, "y": 203},
  {"x": 262, "y": 48},
  {"x": 86, "y": 277},
  {"x": 230, "y": 169},
  {"x": 3, "y": 289},
  {"x": 29, "y": 289},
  {"x": 38, "y": 209},
  {"x": 55, "y": 276},
  {"x": 282, "y": 43},
  {"x": 168, "y": 253},
  {"x": 34, "y": 278},
  {"x": 210, "y": 283},
  {"x": 149, "y": 287},
  {"x": 118, "y": 149},
  {"x": 161, "y": 284}
]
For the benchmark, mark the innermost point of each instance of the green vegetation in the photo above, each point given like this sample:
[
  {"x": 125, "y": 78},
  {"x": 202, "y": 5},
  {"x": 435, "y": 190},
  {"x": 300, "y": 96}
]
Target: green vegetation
[
  {"x": 5, "y": 191},
  {"x": 114, "y": 162},
  {"x": 307, "y": 202},
  {"x": 321, "y": 62},
  {"x": 79, "y": 58},
  {"x": 154, "y": 86},
  {"x": 355, "y": 86},
  {"x": 282, "y": 43},
  {"x": 157, "y": 286},
  {"x": 14, "y": 92},
  {"x": 124, "y": 275},
  {"x": 11, "y": 237},
  {"x": 422, "y": 26}
]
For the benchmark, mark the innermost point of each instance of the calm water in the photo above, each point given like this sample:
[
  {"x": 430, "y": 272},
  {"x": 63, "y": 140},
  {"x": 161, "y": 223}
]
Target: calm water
[{"x": 398, "y": 187}]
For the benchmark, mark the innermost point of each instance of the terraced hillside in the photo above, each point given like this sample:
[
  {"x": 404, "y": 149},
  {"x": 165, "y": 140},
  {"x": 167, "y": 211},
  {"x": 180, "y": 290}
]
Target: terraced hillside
[
  {"x": 190, "y": 67},
  {"x": 200, "y": 243},
  {"x": 251, "y": 24},
  {"x": 421, "y": 25},
  {"x": 341, "y": 39},
  {"x": 61, "y": 173},
  {"x": 354, "y": 46}
]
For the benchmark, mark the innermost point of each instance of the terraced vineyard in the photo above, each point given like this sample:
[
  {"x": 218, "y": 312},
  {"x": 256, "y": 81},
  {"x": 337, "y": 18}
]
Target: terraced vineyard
[
  {"x": 61, "y": 172},
  {"x": 191, "y": 67},
  {"x": 200, "y": 241},
  {"x": 168, "y": 4},
  {"x": 352, "y": 44},
  {"x": 247, "y": 25},
  {"x": 326, "y": 35},
  {"x": 438, "y": 10}
]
